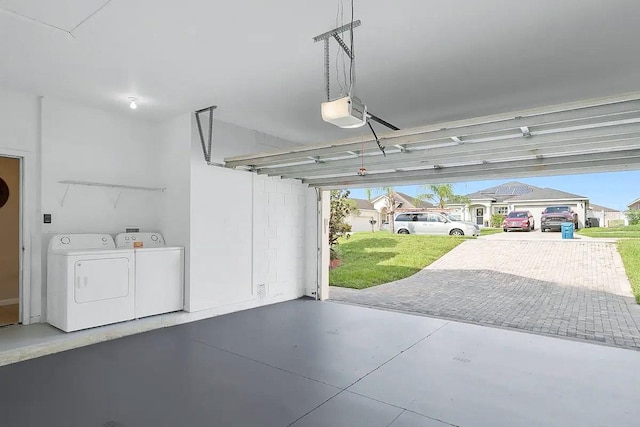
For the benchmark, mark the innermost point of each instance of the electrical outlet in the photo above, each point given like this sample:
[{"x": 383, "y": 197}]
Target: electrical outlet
[{"x": 262, "y": 292}]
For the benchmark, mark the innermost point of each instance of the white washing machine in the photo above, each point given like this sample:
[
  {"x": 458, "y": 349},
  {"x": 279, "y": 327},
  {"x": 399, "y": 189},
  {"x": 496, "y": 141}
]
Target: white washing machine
[
  {"x": 159, "y": 273},
  {"x": 89, "y": 282}
]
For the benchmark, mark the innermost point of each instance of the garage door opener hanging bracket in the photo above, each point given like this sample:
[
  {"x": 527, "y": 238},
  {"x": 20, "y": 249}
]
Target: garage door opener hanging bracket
[{"x": 335, "y": 34}]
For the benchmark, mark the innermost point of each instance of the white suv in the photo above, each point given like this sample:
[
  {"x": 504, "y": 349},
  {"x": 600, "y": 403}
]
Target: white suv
[{"x": 433, "y": 223}]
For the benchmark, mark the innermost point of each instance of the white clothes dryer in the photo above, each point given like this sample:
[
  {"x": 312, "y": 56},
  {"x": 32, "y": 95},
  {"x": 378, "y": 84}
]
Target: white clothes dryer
[
  {"x": 89, "y": 282},
  {"x": 159, "y": 273}
]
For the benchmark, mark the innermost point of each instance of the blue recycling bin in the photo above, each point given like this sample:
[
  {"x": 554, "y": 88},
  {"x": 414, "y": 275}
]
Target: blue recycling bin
[{"x": 567, "y": 230}]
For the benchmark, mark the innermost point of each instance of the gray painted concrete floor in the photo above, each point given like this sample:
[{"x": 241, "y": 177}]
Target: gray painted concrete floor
[{"x": 308, "y": 363}]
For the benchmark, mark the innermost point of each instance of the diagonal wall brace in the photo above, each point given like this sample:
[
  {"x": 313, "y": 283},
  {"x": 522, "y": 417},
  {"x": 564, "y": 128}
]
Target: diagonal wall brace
[{"x": 206, "y": 147}]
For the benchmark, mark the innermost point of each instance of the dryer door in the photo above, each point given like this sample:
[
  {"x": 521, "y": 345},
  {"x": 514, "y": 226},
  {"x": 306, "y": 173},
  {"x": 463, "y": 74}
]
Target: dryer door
[{"x": 101, "y": 279}]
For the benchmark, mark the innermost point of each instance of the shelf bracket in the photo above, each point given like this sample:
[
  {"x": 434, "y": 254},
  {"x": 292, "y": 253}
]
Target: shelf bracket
[
  {"x": 64, "y": 196},
  {"x": 206, "y": 146},
  {"x": 115, "y": 205}
]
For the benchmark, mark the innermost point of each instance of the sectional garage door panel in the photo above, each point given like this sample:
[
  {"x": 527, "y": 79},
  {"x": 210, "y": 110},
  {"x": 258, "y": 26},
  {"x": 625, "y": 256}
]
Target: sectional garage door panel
[{"x": 584, "y": 137}]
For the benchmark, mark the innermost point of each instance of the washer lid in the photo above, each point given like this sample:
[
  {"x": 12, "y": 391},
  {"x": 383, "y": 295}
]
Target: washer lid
[{"x": 67, "y": 242}]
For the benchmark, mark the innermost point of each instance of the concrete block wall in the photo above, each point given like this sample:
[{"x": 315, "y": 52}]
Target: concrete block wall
[
  {"x": 280, "y": 228},
  {"x": 248, "y": 233}
]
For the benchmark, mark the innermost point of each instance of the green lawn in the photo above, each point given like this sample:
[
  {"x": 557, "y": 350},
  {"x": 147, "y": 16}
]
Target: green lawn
[
  {"x": 486, "y": 231},
  {"x": 630, "y": 231},
  {"x": 630, "y": 253},
  {"x": 370, "y": 259},
  {"x": 629, "y": 248}
]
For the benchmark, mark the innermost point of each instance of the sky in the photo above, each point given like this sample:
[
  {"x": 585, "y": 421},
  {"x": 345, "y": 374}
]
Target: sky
[{"x": 612, "y": 189}]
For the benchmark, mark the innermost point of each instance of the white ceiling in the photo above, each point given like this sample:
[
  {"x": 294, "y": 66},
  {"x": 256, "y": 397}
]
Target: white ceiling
[{"x": 419, "y": 61}]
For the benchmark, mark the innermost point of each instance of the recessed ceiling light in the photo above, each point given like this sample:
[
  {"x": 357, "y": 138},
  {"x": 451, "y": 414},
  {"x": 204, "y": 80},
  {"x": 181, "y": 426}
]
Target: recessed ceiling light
[{"x": 133, "y": 102}]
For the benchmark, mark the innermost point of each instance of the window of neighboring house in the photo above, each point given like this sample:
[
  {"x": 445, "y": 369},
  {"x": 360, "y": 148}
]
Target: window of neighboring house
[{"x": 502, "y": 210}]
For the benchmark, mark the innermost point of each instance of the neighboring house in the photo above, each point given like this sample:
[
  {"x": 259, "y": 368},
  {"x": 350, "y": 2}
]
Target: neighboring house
[
  {"x": 378, "y": 209},
  {"x": 605, "y": 215},
  {"x": 516, "y": 196},
  {"x": 366, "y": 212},
  {"x": 403, "y": 202},
  {"x": 635, "y": 205}
]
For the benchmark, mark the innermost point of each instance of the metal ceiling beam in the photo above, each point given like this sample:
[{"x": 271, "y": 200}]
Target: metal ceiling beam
[
  {"x": 596, "y": 111},
  {"x": 620, "y": 160}
]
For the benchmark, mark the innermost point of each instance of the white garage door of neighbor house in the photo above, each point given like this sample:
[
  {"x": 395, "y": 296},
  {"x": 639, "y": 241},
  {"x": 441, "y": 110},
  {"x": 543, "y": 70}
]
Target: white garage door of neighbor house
[{"x": 361, "y": 223}]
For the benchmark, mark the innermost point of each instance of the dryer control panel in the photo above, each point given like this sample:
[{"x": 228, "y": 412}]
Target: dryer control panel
[
  {"x": 65, "y": 242},
  {"x": 148, "y": 240}
]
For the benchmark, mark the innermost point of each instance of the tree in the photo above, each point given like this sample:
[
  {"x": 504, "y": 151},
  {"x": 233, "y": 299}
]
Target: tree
[
  {"x": 341, "y": 207},
  {"x": 369, "y": 193},
  {"x": 442, "y": 194},
  {"x": 392, "y": 203}
]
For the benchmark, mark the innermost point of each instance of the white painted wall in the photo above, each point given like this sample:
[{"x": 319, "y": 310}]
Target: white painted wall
[
  {"x": 240, "y": 230},
  {"x": 174, "y": 149},
  {"x": 247, "y": 231},
  {"x": 85, "y": 144}
]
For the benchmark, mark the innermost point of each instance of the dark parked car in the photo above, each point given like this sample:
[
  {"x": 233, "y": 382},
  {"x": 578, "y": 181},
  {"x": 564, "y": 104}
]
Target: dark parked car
[
  {"x": 553, "y": 217},
  {"x": 519, "y": 220}
]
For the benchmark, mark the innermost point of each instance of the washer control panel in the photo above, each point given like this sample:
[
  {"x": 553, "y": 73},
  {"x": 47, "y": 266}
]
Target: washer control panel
[{"x": 140, "y": 240}]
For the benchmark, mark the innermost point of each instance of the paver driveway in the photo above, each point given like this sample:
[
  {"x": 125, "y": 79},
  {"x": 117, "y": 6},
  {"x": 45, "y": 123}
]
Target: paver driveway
[{"x": 536, "y": 283}]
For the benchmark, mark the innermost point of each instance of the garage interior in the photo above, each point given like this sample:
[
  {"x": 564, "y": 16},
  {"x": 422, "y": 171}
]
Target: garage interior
[{"x": 490, "y": 90}]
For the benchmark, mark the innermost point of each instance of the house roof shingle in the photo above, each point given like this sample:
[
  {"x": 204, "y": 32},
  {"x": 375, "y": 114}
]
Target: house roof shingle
[
  {"x": 410, "y": 200},
  {"x": 547, "y": 194},
  {"x": 517, "y": 191},
  {"x": 503, "y": 192},
  {"x": 414, "y": 202},
  {"x": 363, "y": 204},
  {"x": 602, "y": 208}
]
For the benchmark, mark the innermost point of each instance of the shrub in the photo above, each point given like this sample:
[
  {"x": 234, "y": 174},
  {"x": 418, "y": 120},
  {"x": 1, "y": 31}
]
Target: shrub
[
  {"x": 496, "y": 220},
  {"x": 634, "y": 216},
  {"x": 341, "y": 207}
]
